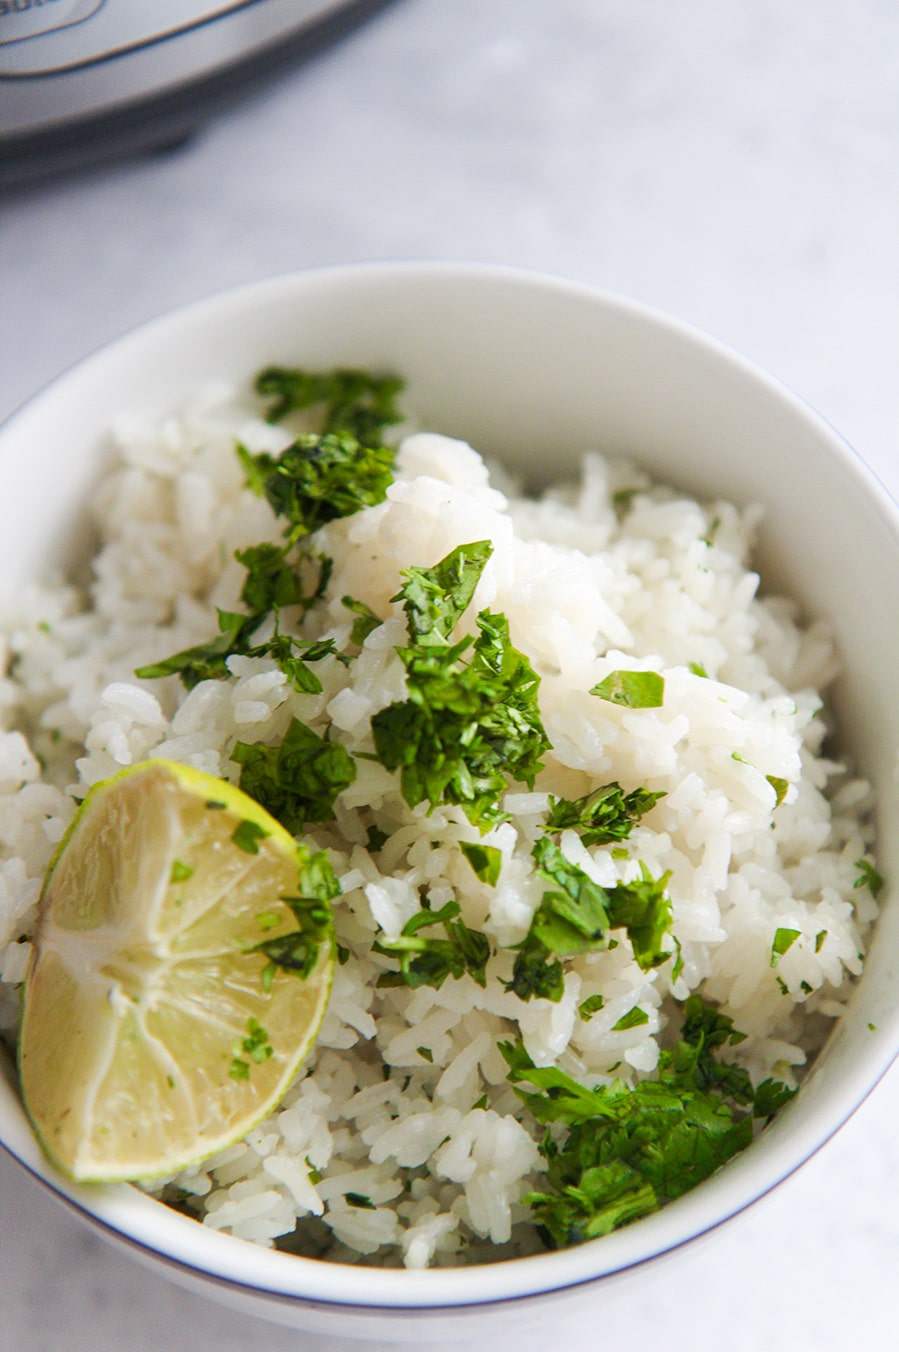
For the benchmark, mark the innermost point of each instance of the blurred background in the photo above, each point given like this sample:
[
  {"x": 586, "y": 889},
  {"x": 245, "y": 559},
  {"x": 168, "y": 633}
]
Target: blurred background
[{"x": 734, "y": 163}]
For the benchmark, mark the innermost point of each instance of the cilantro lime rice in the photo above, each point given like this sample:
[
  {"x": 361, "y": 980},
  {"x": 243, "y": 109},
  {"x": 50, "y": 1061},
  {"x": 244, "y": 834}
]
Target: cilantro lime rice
[{"x": 602, "y": 892}]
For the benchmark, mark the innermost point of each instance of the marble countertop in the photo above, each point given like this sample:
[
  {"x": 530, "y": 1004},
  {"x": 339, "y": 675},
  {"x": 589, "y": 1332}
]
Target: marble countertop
[{"x": 736, "y": 165}]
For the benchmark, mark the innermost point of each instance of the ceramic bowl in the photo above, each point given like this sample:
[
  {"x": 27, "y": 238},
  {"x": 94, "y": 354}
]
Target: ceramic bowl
[{"x": 533, "y": 370}]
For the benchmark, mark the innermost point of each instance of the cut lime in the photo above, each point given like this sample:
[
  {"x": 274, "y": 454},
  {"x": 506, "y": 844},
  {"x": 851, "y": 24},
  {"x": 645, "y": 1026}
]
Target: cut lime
[{"x": 182, "y": 963}]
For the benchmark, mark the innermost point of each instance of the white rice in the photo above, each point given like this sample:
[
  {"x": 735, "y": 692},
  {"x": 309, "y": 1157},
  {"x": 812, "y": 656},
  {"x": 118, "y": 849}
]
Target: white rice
[{"x": 666, "y": 587}]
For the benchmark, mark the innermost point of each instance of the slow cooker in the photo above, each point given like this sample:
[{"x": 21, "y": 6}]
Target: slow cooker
[{"x": 83, "y": 79}]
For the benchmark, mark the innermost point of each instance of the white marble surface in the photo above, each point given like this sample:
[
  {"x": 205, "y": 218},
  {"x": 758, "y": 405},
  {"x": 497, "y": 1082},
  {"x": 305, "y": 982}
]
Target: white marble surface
[{"x": 736, "y": 164}]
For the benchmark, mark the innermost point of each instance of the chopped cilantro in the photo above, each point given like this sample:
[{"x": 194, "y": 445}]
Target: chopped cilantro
[
  {"x": 622, "y": 501},
  {"x": 348, "y": 400},
  {"x": 644, "y": 910},
  {"x": 780, "y": 787},
  {"x": 481, "y": 1104},
  {"x": 770, "y": 1097},
  {"x": 604, "y": 815},
  {"x": 435, "y": 599},
  {"x": 622, "y": 1153},
  {"x": 247, "y": 835},
  {"x": 298, "y": 780},
  {"x": 590, "y": 1006},
  {"x": 366, "y": 621},
  {"x": 486, "y": 860},
  {"x": 819, "y": 940},
  {"x": 632, "y": 689},
  {"x": 425, "y": 1053},
  {"x": 714, "y": 527},
  {"x": 634, "y": 1018},
  {"x": 298, "y": 950},
  {"x": 376, "y": 839},
  {"x": 180, "y": 872},
  {"x": 698, "y": 670},
  {"x": 428, "y": 961},
  {"x": 784, "y": 939},
  {"x": 343, "y": 955},
  {"x": 575, "y": 917},
  {"x": 466, "y": 725},
  {"x": 209, "y": 661},
  {"x": 868, "y": 877},
  {"x": 359, "y": 1199},
  {"x": 255, "y": 1045},
  {"x": 321, "y": 479}
]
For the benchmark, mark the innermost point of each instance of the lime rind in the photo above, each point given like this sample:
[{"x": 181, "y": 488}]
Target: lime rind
[{"x": 155, "y": 1030}]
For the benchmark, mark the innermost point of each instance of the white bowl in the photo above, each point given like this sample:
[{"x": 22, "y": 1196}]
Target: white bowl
[{"x": 535, "y": 370}]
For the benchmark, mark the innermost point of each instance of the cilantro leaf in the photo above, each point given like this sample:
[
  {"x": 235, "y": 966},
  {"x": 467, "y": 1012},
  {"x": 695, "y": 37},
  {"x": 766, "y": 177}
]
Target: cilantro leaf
[
  {"x": 604, "y": 815},
  {"x": 270, "y": 583},
  {"x": 320, "y": 479},
  {"x": 780, "y": 787},
  {"x": 435, "y": 599},
  {"x": 576, "y": 916},
  {"x": 247, "y": 835},
  {"x": 486, "y": 860},
  {"x": 784, "y": 939},
  {"x": 365, "y": 623},
  {"x": 634, "y": 1018},
  {"x": 298, "y": 780},
  {"x": 298, "y": 951},
  {"x": 348, "y": 400},
  {"x": 644, "y": 910},
  {"x": 427, "y": 961},
  {"x": 770, "y": 1097},
  {"x": 632, "y": 689},
  {"x": 206, "y": 661},
  {"x": 868, "y": 877},
  {"x": 622, "y": 1153},
  {"x": 590, "y": 1006},
  {"x": 466, "y": 726}
]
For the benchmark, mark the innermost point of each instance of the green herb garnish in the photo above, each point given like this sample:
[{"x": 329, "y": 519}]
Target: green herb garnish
[
  {"x": 634, "y": 1018},
  {"x": 247, "y": 835},
  {"x": 298, "y": 779},
  {"x": 616, "y": 1153},
  {"x": 784, "y": 939},
  {"x": 425, "y": 960},
  {"x": 298, "y": 951},
  {"x": 347, "y": 400},
  {"x": 359, "y": 1199},
  {"x": 486, "y": 860},
  {"x": 590, "y": 1006},
  {"x": 868, "y": 877},
  {"x": 255, "y": 1045},
  {"x": 632, "y": 689},
  {"x": 469, "y": 723},
  {"x": 366, "y": 621},
  {"x": 604, "y": 815},
  {"x": 576, "y": 917},
  {"x": 780, "y": 787}
]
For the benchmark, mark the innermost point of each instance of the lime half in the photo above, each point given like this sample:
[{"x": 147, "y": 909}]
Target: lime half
[{"x": 182, "y": 963}]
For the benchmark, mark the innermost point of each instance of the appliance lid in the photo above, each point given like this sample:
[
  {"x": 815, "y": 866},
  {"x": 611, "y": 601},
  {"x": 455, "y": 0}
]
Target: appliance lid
[{"x": 83, "y": 79}]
